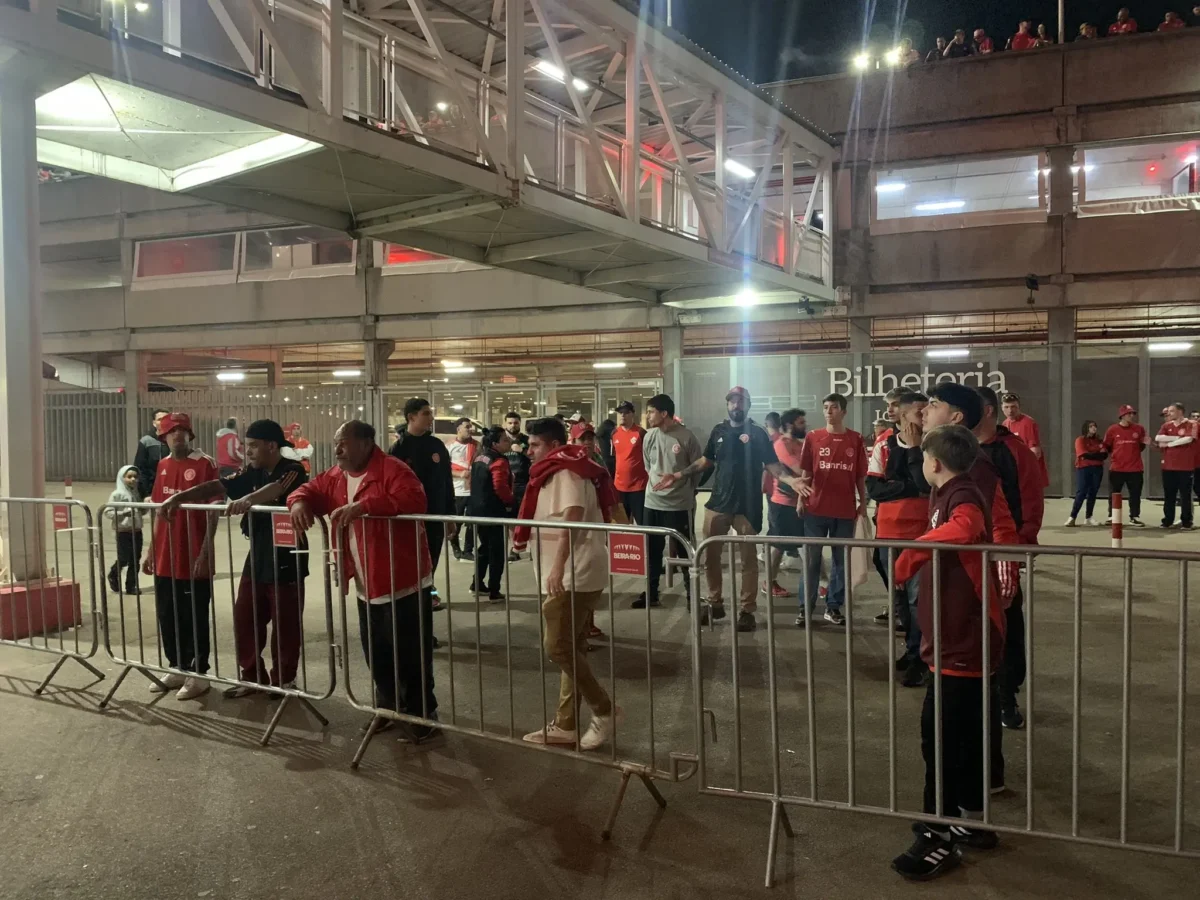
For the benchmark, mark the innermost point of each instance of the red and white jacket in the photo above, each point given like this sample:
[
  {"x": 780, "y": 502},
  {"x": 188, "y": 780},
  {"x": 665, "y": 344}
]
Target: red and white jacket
[{"x": 389, "y": 488}]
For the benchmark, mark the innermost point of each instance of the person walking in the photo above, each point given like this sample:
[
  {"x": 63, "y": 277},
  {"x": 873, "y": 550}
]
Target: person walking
[
  {"x": 462, "y": 454},
  {"x": 386, "y": 562},
  {"x": 1173, "y": 442},
  {"x": 150, "y": 452},
  {"x": 491, "y": 498},
  {"x": 566, "y": 485},
  {"x": 783, "y": 519},
  {"x": 271, "y": 589},
  {"x": 1125, "y": 442},
  {"x": 181, "y": 560},
  {"x": 667, "y": 448},
  {"x": 230, "y": 457},
  {"x": 127, "y": 525},
  {"x": 1089, "y": 472},
  {"x": 630, "y": 479}
]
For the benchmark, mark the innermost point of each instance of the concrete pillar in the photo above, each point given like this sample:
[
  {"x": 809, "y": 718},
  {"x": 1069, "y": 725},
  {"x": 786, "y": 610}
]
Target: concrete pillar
[
  {"x": 375, "y": 369},
  {"x": 858, "y": 411},
  {"x": 1058, "y": 425},
  {"x": 133, "y": 387},
  {"x": 672, "y": 358},
  {"x": 275, "y": 370},
  {"x": 22, "y": 425},
  {"x": 1062, "y": 182}
]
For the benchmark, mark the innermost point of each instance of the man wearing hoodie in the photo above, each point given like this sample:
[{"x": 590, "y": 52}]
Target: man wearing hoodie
[
  {"x": 127, "y": 523},
  {"x": 150, "y": 452},
  {"x": 230, "y": 457}
]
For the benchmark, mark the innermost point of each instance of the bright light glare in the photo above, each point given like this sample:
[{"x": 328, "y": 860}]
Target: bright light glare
[
  {"x": 1191, "y": 160},
  {"x": 1170, "y": 347},
  {"x": 345, "y": 373},
  {"x": 231, "y": 376},
  {"x": 79, "y": 102},
  {"x": 1088, "y": 168},
  {"x": 890, "y": 187},
  {"x": 954, "y": 353},
  {"x": 733, "y": 167},
  {"x": 862, "y": 61},
  {"x": 452, "y": 363},
  {"x": 608, "y": 365},
  {"x": 892, "y": 57},
  {"x": 142, "y": 7},
  {"x": 460, "y": 370},
  {"x": 747, "y": 296},
  {"x": 940, "y": 206},
  {"x": 457, "y": 407},
  {"x": 550, "y": 69},
  {"x": 441, "y": 106},
  {"x": 273, "y": 149}
]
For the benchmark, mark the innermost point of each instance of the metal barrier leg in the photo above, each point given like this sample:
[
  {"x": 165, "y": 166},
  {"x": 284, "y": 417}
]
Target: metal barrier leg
[
  {"x": 626, "y": 773},
  {"x": 779, "y": 817},
  {"x": 362, "y": 747},
  {"x": 120, "y": 678},
  {"x": 58, "y": 665}
]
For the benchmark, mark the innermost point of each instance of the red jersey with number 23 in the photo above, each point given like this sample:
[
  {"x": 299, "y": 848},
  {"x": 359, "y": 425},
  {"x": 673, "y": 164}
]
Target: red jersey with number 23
[
  {"x": 837, "y": 462},
  {"x": 176, "y": 546}
]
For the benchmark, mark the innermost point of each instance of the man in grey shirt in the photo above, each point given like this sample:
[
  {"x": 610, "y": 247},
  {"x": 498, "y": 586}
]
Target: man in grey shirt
[{"x": 667, "y": 448}]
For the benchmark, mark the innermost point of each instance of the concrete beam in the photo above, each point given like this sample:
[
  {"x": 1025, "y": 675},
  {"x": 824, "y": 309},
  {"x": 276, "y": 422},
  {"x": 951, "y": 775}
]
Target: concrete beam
[{"x": 555, "y": 246}]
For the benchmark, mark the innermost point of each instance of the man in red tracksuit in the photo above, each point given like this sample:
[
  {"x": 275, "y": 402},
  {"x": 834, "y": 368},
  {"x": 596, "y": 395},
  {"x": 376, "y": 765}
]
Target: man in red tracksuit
[
  {"x": 957, "y": 515},
  {"x": 1022, "y": 482}
]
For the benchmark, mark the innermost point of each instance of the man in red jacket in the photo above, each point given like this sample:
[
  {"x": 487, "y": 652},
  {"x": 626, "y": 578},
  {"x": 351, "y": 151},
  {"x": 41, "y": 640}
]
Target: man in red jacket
[
  {"x": 389, "y": 562},
  {"x": 1026, "y": 428},
  {"x": 1174, "y": 441}
]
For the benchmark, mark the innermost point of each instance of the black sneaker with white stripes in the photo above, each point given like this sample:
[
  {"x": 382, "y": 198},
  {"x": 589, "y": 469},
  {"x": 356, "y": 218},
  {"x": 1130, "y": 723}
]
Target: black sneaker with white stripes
[
  {"x": 929, "y": 856},
  {"x": 975, "y": 838}
]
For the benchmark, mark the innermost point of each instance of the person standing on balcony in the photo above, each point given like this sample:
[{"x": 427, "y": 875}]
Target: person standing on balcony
[
  {"x": 1087, "y": 32},
  {"x": 1022, "y": 40},
  {"x": 1173, "y": 441},
  {"x": 1171, "y": 22},
  {"x": 462, "y": 454},
  {"x": 630, "y": 480},
  {"x": 230, "y": 457},
  {"x": 957, "y": 48},
  {"x": 1043, "y": 37},
  {"x": 935, "y": 55},
  {"x": 1125, "y": 24},
  {"x": 981, "y": 45},
  {"x": 1125, "y": 443}
]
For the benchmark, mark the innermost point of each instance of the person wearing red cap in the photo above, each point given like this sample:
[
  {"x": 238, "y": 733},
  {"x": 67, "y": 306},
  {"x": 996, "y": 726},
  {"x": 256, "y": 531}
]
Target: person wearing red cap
[
  {"x": 740, "y": 450},
  {"x": 1125, "y": 442},
  {"x": 1173, "y": 441},
  {"x": 301, "y": 449},
  {"x": 631, "y": 478},
  {"x": 1026, "y": 429},
  {"x": 180, "y": 558}
]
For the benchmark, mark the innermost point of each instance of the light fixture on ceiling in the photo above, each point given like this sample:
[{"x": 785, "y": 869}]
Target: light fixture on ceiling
[
  {"x": 460, "y": 370},
  {"x": 737, "y": 169},
  {"x": 746, "y": 297},
  {"x": 231, "y": 376},
  {"x": 142, "y": 6},
  {"x": 608, "y": 365},
  {"x": 550, "y": 69},
  {"x": 345, "y": 373},
  {"x": 457, "y": 407},
  {"x": 940, "y": 205},
  {"x": 452, "y": 363},
  {"x": 441, "y": 106},
  {"x": 948, "y": 353},
  {"x": 890, "y": 187},
  {"x": 1170, "y": 347}
]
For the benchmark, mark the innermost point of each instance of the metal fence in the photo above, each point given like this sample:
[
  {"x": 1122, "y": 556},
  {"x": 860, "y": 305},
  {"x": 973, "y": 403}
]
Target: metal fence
[
  {"x": 226, "y": 596},
  {"x": 806, "y": 682},
  {"x": 85, "y": 435},
  {"x": 488, "y": 665},
  {"x": 41, "y": 609}
]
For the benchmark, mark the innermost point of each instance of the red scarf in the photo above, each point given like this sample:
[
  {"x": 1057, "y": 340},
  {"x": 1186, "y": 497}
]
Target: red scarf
[{"x": 567, "y": 458}]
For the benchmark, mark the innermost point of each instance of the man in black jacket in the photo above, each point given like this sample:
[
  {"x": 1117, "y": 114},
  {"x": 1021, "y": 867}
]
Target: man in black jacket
[
  {"x": 519, "y": 463},
  {"x": 150, "y": 452},
  {"x": 426, "y": 454}
]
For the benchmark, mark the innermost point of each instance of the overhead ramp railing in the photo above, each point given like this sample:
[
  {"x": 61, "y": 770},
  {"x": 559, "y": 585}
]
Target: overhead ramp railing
[{"x": 585, "y": 101}]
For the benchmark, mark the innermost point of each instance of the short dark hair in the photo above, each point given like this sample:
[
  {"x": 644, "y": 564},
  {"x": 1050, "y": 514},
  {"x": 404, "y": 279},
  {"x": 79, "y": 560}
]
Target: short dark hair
[
  {"x": 548, "y": 429},
  {"x": 512, "y": 414},
  {"x": 990, "y": 398},
  {"x": 231, "y": 422},
  {"x": 895, "y": 394},
  {"x": 954, "y": 446},
  {"x": 414, "y": 406},
  {"x": 460, "y": 420},
  {"x": 908, "y": 397},
  {"x": 966, "y": 400},
  {"x": 359, "y": 430},
  {"x": 789, "y": 416},
  {"x": 662, "y": 403},
  {"x": 1179, "y": 406},
  {"x": 1010, "y": 397},
  {"x": 837, "y": 398},
  {"x": 771, "y": 420}
]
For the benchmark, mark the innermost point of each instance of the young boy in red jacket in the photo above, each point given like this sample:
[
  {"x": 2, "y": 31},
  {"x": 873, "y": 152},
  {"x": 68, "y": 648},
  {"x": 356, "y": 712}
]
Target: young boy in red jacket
[{"x": 958, "y": 514}]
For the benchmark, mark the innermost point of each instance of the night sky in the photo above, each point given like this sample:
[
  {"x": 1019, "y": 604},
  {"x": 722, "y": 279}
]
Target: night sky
[{"x": 768, "y": 40}]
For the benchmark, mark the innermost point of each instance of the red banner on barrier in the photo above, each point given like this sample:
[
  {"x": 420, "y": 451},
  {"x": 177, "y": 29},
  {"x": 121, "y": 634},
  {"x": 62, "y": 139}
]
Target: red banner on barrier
[
  {"x": 285, "y": 534},
  {"x": 627, "y": 553},
  {"x": 62, "y": 517}
]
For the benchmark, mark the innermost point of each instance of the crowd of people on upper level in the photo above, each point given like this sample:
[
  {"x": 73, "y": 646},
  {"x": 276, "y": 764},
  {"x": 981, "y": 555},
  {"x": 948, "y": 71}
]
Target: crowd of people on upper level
[{"x": 1028, "y": 37}]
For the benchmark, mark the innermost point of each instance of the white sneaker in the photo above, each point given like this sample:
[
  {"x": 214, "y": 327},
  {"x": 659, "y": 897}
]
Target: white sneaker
[
  {"x": 600, "y": 730},
  {"x": 551, "y": 735},
  {"x": 1070, "y": 523},
  {"x": 192, "y": 688},
  {"x": 169, "y": 683},
  {"x": 1092, "y": 522}
]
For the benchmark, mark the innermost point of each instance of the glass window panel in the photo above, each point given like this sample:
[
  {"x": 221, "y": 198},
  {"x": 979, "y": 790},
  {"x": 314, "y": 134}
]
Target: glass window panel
[
  {"x": 296, "y": 248},
  {"x": 1132, "y": 172},
  {"x": 186, "y": 256},
  {"x": 958, "y": 188}
]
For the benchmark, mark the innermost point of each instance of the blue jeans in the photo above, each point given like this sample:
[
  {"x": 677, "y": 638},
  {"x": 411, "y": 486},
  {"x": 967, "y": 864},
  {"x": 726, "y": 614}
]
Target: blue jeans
[
  {"x": 912, "y": 637},
  {"x": 818, "y": 527},
  {"x": 1087, "y": 486}
]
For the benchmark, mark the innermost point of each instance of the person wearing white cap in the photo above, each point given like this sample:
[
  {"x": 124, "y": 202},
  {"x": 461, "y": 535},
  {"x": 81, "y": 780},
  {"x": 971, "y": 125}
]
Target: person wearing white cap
[{"x": 740, "y": 450}]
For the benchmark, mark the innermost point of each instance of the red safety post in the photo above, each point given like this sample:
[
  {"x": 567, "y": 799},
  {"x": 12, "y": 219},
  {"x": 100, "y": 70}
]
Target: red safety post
[{"x": 1118, "y": 521}]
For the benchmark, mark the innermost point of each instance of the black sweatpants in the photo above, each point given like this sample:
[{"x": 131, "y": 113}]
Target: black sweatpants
[
  {"x": 182, "y": 608},
  {"x": 129, "y": 553},
  {"x": 435, "y": 534},
  {"x": 681, "y": 521},
  {"x": 464, "y": 540},
  {"x": 635, "y": 505},
  {"x": 489, "y": 558},
  {"x": 962, "y": 747},
  {"x": 1177, "y": 484},
  {"x": 391, "y": 641},
  {"x": 1131, "y": 480},
  {"x": 1010, "y": 674}
]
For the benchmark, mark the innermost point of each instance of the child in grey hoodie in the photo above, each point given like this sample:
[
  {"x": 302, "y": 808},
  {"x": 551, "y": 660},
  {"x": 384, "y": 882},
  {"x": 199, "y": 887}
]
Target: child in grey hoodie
[{"x": 127, "y": 522}]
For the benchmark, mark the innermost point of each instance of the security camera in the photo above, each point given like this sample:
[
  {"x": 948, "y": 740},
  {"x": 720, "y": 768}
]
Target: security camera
[
  {"x": 806, "y": 305},
  {"x": 1031, "y": 285}
]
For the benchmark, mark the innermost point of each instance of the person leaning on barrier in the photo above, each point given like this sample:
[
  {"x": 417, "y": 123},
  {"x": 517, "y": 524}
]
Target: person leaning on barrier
[
  {"x": 491, "y": 498},
  {"x": 181, "y": 560},
  {"x": 958, "y": 514},
  {"x": 566, "y": 485},
  {"x": 386, "y": 559},
  {"x": 272, "y": 577}
]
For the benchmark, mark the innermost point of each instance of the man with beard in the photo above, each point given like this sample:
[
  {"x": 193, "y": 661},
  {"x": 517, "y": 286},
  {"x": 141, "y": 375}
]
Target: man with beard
[{"x": 518, "y": 463}]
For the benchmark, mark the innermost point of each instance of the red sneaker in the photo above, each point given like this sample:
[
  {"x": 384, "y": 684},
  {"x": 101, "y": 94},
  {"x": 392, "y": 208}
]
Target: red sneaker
[{"x": 778, "y": 591}]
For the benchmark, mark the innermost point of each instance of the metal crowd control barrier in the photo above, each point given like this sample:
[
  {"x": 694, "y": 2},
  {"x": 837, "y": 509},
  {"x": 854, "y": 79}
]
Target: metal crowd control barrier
[
  {"x": 184, "y": 609},
  {"x": 39, "y": 618},
  {"x": 471, "y": 712},
  {"x": 1052, "y": 824}
]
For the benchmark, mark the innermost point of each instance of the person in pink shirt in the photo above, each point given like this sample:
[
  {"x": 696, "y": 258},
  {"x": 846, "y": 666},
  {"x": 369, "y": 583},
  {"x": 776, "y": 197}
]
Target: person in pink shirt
[{"x": 1026, "y": 428}]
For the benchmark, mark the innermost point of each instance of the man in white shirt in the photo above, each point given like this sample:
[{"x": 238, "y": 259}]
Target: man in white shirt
[{"x": 565, "y": 484}]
